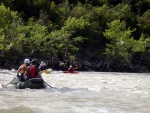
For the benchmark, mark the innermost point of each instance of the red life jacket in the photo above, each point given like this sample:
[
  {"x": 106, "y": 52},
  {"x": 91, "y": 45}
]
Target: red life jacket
[
  {"x": 70, "y": 70},
  {"x": 32, "y": 72}
]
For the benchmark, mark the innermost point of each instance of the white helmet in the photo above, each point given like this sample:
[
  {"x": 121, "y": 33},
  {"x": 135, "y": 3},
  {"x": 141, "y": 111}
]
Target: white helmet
[
  {"x": 42, "y": 63},
  {"x": 27, "y": 61}
]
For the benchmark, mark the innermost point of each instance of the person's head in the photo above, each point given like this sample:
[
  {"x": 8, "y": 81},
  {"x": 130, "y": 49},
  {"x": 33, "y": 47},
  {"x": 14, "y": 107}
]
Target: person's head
[
  {"x": 26, "y": 61},
  {"x": 42, "y": 63},
  {"x": 34, "y": 62},
  {"x": 70, "y": 66}
]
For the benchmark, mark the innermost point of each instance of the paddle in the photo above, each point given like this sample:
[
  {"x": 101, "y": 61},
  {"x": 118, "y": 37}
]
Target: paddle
[
  {"x": 48, "y": 85},
  {"x": 9, "y": 82}
]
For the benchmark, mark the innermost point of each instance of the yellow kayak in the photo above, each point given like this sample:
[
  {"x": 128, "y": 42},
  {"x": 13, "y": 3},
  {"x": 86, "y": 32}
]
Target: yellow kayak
[{"x": 47, "y": 71}]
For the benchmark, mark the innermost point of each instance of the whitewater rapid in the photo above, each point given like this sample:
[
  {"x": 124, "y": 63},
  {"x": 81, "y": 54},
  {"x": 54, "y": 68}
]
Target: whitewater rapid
[{"x": 86, "y": 92}]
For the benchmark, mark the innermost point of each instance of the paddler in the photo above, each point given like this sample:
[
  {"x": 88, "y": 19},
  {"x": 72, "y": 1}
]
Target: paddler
[
  {"x": 70, "y": 69},
  {"x": 22, "y": 69}
]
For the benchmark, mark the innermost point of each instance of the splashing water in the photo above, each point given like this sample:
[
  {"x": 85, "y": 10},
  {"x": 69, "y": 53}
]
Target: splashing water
[{"x": 86, "y": 92}]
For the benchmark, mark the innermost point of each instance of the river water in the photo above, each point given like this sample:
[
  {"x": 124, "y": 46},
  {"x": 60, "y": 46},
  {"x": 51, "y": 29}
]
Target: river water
[{"x": 86, "y": 92}]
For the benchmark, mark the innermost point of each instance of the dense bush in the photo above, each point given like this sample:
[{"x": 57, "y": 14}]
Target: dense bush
[{"x": 61, "y": 28}]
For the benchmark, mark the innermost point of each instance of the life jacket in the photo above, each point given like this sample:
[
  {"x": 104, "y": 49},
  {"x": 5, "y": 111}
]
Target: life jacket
[
  {"x": 70, "y": 70},
  {"x": 23, "y": 68},
  {"x": 76, "y": 67},
  {"x": 32, "y": 72}
]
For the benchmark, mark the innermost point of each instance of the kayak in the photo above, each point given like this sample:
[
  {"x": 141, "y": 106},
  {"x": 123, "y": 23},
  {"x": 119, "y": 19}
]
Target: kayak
[
  {"x": 74, "y": 72},
  {"x": 33, "y": 83},
  {"x": 47, "y": 71}
]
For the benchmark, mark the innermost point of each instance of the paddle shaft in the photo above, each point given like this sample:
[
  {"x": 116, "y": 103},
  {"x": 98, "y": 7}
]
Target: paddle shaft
[
  {"x": 10, "y": 82},
  {"x": 48, "y": 84}
]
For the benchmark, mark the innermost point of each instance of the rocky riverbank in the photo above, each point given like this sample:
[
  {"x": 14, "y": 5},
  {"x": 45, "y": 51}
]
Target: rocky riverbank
[{"x": 88, "y": 62}]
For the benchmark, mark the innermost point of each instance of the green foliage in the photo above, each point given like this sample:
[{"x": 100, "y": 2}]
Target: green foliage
[
  {"x": 7, "y": 26},
  {"x": 144, "y": 22},
  {"x": 5, "y": 15},
  {"x": 139, "y": 45},
  {"x": 100, "y": 13},
  {"x": 78, "y": 11},
  {"x": 140, "y": 6},
  {"x": 60, "y": 28},
  {"x": 62, "y": 39},
  {"x": 98, "y": 17},
  {"x": 123, "y": 12},
  {"x": 73, "y": 24},
  {"x": 1, "y": 42},
  {"x": 31, "y": 37},
  {"x": 122, "y": 44}
]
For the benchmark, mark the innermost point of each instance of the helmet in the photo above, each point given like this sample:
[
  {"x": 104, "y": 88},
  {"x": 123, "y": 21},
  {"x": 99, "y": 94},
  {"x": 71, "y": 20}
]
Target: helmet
[
  {"x": 27, "y": 61},
  {"x": 34, "y": 61},
  {"x": 42, "y": 63},
  {"x": 70, "y": 66}
]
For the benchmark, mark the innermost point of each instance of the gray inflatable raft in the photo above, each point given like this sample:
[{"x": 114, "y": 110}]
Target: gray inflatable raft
[{"x": 33, "y": 83}]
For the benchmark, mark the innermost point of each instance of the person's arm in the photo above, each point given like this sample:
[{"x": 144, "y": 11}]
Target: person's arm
[
  {"x": 39, "y": 74},
  {"x": 18, "y": 71}
]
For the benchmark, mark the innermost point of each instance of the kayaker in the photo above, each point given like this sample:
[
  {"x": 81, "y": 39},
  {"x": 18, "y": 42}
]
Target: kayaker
[
  {"x": 70, "y": 69},
  {"x": 33, "y": 71},
  {"x": 21, "y": 70}
]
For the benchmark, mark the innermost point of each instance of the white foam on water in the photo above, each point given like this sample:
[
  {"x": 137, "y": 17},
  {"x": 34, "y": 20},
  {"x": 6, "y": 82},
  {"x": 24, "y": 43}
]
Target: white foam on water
[
  {"x": 86, "y": 92},
  {"x": 91, "y": 110},
  {"x": 95, "y": 88}
]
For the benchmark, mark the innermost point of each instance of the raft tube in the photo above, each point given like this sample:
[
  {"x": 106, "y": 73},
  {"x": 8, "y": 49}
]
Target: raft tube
[{"x": 33, "y": 83}]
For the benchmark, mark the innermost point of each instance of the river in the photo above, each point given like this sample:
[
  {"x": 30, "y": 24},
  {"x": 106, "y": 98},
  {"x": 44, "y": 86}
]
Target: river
[{"x": 86, "y": 92}]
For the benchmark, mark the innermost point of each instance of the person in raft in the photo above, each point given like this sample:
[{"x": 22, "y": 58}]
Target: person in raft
[
  {"x": 42, "y": 66},
  {"x": 33, "y": 71},
  {"x": 70, "y": 69},
  {"x": 21, "y": 70}
]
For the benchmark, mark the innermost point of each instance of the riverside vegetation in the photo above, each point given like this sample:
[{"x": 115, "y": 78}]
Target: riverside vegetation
[{"x": 96, "y": 35}]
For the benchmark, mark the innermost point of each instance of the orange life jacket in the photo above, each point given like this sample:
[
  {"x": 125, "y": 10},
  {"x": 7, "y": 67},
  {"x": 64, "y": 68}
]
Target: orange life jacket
[{"x": 23, "y": 68}]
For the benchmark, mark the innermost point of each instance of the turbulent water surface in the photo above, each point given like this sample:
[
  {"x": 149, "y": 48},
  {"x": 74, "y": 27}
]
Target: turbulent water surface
[{"x": 86, "y": 92}]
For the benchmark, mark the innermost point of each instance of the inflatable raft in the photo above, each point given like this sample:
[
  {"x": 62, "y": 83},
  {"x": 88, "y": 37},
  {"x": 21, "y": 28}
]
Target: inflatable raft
[{"x": 33, "y": 83}]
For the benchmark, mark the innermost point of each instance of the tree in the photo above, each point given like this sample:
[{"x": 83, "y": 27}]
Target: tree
[
  {"x": 64, "y": 41},
  {"x": 8, "y": 22},
  {"x": 121, "y": 44},
  {"x": 144, "y": 22}
]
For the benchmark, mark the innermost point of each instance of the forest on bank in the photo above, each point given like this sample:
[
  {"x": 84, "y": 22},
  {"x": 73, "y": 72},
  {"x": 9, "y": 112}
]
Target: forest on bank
[{"x": 96, "y": 35}]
